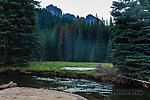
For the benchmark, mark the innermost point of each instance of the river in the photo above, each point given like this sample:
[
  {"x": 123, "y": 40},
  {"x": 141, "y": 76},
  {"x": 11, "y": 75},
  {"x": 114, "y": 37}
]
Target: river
[{"x": 89, "y": 89}]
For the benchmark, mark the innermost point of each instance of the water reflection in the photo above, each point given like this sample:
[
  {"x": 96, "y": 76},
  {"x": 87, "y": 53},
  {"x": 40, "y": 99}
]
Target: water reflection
[
  {"x": 89, "y": 89},
  {"x": 78, "y": 85}
]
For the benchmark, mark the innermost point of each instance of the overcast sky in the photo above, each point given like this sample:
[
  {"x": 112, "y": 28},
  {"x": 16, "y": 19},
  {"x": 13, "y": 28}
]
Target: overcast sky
[{"x": 82, "y": 7}]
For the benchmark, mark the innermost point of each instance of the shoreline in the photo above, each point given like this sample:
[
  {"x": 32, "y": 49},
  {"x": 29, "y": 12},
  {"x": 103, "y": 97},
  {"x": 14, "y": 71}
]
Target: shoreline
[
  {"x": 24, "y": 93},
  {"x": 117, "y": 79}
]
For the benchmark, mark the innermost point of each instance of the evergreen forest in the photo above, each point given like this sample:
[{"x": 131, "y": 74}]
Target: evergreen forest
[
  {"x": 63, "y": 39},
  {"x": 29, "y": 33}
]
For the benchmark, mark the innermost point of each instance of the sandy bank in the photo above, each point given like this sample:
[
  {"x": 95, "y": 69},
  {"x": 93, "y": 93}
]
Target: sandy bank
[{"x": 22, "y": 93}]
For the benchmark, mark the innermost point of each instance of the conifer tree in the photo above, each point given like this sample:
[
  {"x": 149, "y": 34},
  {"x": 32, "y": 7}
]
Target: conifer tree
[
  {"x": 19, "y": 31},
  {"x": 131, "y": 44},
  {"x": 61, "y": 49},
  {"x": 3, "y": 23}
]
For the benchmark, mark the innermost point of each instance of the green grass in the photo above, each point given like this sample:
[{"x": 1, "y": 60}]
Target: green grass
[{"x": 56, "y": 66}]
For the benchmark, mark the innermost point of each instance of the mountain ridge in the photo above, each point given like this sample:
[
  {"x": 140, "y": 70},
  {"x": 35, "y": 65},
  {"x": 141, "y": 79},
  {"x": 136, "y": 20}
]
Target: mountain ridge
[{"x": 58, "y": 12}]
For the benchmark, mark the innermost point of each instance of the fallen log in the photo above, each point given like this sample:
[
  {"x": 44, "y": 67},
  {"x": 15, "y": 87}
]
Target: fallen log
[
  {"x": 106, "y": 75},
  {"x": 9, "y": 85},
  {"x": 77, "y": 68},
  {"x": 135, "y": 82},
  {"x": 122, "y": 80}
]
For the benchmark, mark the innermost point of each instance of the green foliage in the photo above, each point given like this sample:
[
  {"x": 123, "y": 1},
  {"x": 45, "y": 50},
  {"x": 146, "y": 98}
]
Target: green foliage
[
  {"x": 131, "y": 37},
  {"x": 18, "y": 40}
]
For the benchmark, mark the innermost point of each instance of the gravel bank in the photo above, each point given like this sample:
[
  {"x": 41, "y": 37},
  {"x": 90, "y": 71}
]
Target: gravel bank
[{"x": 22, "y": 93}]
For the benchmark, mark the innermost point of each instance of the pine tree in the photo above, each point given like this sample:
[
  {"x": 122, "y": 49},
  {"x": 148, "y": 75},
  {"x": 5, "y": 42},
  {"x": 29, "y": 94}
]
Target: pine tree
[
  {"x": 80, "y": 53},
  {"x": 131, "y": 39},
  {"x": 61, "y": 48},
  {"x": 19, "y": 31},
  {"x": 99, "y": 50},
  {"x": 109, "y": 46},
  {"x": 3, "y": 23},
  {"x": 93, "y": 36}
]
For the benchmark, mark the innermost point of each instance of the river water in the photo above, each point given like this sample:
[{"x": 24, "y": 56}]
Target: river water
[{"x": 89, "y": 89}]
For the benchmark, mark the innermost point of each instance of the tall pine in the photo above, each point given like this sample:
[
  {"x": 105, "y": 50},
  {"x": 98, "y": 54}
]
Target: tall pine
[
  {"x": 131, "y": 44},
  {"x": 3, "y": 33},
  {"x": 19, "y": 31}
]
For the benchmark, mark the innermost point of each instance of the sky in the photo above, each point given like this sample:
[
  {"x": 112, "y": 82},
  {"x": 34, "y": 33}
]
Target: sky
[{"x": 82, "y": 7}]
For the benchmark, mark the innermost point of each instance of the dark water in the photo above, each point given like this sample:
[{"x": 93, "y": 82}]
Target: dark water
[{"x": 89, "y": 89}]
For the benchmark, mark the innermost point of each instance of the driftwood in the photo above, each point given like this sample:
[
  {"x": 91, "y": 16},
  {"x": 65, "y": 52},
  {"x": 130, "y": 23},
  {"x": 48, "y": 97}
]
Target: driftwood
[
  {"x": 105, "y": 74},
  {"x": 77, "y": 68},
  {"x": 9, "y": 85},
  {"x": 126, "y": 80}
]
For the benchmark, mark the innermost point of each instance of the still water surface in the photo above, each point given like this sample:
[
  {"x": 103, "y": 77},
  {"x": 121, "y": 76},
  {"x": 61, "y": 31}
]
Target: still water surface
[{"x": 89, "y": 89}]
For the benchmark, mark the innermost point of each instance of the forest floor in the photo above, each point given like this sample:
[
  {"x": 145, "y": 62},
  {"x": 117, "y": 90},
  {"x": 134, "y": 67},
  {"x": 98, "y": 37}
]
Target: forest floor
[{"x": 56, "y": 66}]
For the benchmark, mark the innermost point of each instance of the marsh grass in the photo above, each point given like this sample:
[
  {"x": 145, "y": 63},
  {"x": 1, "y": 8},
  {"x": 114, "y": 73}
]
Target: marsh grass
[{"x": 56, "y": 67}]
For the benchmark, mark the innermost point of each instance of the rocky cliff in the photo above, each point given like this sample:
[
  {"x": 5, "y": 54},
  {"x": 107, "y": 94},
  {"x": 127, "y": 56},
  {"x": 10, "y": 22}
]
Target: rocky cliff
[
  {"x": 54, "y": 10},
  {"x": 58, "y": 12}
]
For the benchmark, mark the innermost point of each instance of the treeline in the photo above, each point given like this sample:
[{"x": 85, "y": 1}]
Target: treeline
[
  {"x": 31, "y": 34},
  {"x": 67, "y": 40},
  {"x": 18, "y": 40}
]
